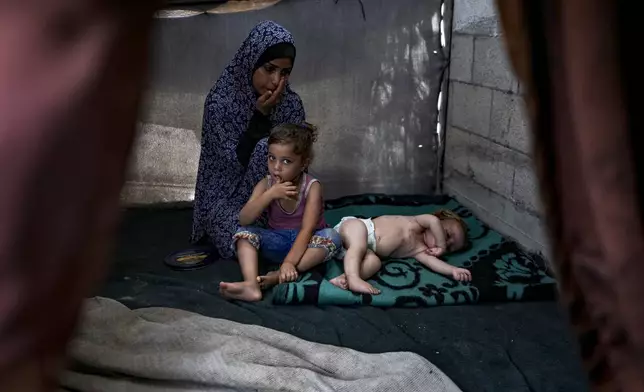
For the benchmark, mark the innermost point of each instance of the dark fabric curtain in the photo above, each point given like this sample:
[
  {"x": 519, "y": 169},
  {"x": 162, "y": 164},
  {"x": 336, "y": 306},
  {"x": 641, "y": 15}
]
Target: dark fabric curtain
[
  {"x": 71, "y": 72},
  {"x": 577, "y": 59}
]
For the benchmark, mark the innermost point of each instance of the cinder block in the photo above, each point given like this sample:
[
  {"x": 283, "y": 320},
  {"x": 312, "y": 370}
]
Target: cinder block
[
  {"x": 491, "y": 65},
  {"x": 516, "y": 86},
  {"x": 519, "y": 132},
  {"x": 492, "y": 165},
  {"x": 502, "y": 104},
  {"x": 526, "y": 222},
  {"x": 456, "y": 150},
  {"x": 508, "y": 125},
  {"x": 525, "y": 189},
  {"x": 499, "y": 213},
  {"x": 476, "y": 17},
  {"x": 482, "y": 197},
  {"x": 461, "y": 58},
  {"x": 469, "y": 108}
]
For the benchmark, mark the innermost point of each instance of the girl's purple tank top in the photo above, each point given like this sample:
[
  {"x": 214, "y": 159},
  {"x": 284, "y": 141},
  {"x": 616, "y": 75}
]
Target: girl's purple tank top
[{"x": 279, "y": 219}]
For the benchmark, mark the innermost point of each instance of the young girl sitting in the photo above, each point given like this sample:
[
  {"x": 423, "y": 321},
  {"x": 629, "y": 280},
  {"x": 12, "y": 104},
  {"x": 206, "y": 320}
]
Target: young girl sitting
[
  {"x": 297, "y": 235},
  {"x": 422, "y": 237}
]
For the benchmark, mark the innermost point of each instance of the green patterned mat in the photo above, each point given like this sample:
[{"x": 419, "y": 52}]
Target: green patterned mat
[{"x": 501, "y": 271}]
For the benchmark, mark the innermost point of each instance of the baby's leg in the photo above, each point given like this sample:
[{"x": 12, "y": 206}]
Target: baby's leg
[
  {"x": 247, "y": 242},
  {"x": 354, "y": 235},
  {"x": 370, "y": 265}
]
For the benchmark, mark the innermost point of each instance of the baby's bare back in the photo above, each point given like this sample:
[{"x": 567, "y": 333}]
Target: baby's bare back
[{"x": 398, "y": 236}]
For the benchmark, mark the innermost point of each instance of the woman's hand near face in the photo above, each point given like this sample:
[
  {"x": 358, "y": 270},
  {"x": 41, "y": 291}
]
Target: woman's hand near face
[{"x": 267, "y": 101}]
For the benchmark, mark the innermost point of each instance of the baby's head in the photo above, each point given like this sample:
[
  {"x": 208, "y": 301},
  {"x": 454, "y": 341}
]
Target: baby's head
[
  {"x": 290, "y": 150},
  {"x": 455, "y": 230}
]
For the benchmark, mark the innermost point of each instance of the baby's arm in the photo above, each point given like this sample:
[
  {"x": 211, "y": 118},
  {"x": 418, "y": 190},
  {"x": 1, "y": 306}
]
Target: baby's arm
[
  {"x": 258, "y": 202},
  {"x": 432, "y": 223},
  {"x": 439, "y": 266},
  {"x": 309, "y": 222}
]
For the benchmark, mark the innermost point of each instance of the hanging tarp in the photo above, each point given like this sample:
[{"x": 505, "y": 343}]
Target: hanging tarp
[{"x": 368, "y": 71}]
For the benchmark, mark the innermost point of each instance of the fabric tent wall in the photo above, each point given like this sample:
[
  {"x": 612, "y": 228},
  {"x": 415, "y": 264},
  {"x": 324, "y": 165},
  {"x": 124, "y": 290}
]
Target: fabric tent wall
[{"x": 371, "y": 84}]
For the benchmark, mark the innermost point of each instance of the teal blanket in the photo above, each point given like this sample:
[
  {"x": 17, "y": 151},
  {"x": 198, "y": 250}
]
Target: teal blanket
[{"x": 501, "y": 270}]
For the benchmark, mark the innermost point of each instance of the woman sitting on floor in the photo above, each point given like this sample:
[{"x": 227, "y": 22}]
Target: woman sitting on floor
[
  {"x": 297, "y": 236},
  {"x": 251, "y": 96}
]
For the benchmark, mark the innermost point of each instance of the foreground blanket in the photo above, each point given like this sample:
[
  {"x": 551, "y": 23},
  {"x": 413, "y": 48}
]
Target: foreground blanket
[
  {"x": 162, "y": 349},
  {"x": 501, "y": 270}
]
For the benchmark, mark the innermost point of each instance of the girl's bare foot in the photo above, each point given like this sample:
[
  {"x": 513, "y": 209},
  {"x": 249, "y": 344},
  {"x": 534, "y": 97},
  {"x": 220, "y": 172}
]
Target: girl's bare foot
[
  {"x": 269, "y": 280},
  {"x": 243, "y": 291},
  {"x": 358, "y": 285},
  {"x": 340, "y": 281}
]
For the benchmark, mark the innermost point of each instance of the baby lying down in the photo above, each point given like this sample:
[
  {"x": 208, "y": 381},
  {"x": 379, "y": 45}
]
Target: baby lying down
[{"x": 422, "y": 237}]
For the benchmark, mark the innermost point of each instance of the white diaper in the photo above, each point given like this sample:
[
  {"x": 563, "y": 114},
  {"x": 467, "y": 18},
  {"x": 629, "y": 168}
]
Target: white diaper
[{"x": 371, "y": 233}]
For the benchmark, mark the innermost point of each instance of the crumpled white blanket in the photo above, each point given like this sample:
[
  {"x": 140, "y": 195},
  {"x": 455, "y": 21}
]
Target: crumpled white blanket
[{"x": 163, "y": 349}]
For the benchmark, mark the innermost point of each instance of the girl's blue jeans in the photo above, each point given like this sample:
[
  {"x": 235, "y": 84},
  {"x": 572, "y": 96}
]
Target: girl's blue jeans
[{"x": 273, "y": 245}]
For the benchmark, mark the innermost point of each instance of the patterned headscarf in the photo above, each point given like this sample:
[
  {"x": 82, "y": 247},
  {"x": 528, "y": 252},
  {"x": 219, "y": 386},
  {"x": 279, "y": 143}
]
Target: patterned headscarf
[{"x": 223, "y": 184}]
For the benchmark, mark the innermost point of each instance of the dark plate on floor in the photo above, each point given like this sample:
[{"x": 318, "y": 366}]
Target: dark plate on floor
[{"x": 190, "y": 259}]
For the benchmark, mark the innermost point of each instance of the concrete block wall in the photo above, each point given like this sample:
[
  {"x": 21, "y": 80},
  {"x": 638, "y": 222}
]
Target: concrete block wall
[{"x": 488, "y": 164}]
